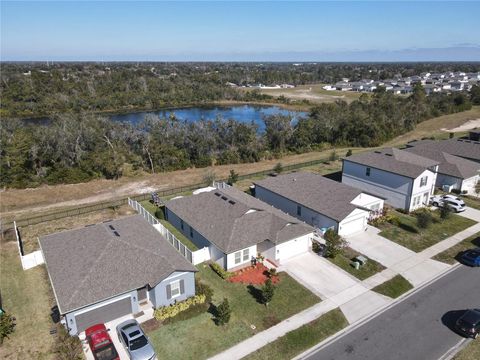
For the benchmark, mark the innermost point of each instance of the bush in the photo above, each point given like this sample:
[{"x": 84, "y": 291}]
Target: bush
[
  {"x": 220, "y": 271},
  {"x": 278, "y": 168},
  {"x": 166, "y": 312},
  {"x": 223, "y": 312},
  {"x": 445, "y": 212},
  {"x": 349, "y": 153},
  {"x": 334, "y": 243},
  {"x": 333, "y": 156},
  {"x": 424, "y": 219},
  {"x": 232, "y": 178},
  {"x": 7, "y": 326},
  {"x": 159, "y": 214},
  {"x": 203, "y": 289},
  {"x": 272, "y": 272},
  {"x": 316, "y": 247},
  {"x": 268, "y": 290},
  {"x": 67, "y": 347}
]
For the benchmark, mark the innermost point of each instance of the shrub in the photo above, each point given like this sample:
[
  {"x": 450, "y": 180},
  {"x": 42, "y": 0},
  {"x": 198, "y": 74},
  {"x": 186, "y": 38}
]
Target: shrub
[
  {"x": 7, "y": 326},
  {"x": 333, "y": 155},
  {"x": 159, "y": 214},
  {"x": 445, "y": 212},
  {"x": 456, "y": 191},
  {"x": 166, "y": 312},
  {"x": 272, "y": 272},
  {"x": 203, "y": 289},
  {"x": 424, "y": 219},
  {"x": 67, "y": 347},
  {"x": 232, "y": 178},
  {"x": 223, "y": 312},
  {"x": 220, "y": 271},
  {"x": 268, "y": 290},
  {"x": 334, "y": 243},
  {"x": 316, "y": 247},
  {"x": 349, "y": 153},
  {"x": 278, "y": 168}
]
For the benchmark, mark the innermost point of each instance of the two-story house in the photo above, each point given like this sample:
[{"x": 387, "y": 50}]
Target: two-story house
[{"x": 405, "y": 180}]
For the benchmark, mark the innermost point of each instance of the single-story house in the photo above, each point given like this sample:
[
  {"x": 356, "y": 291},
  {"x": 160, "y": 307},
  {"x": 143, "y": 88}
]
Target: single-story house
[
  {"x": 453, "y": 171},
  {"x": 319, "y": 201},
  {"x": 405, "y": 180},
  {"x": 465, "y": 148},
  {"x": 105, "y": 271},
  {"x": 235, "y": 227}
]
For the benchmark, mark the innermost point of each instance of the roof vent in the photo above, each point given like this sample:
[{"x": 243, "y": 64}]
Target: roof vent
[
  {"x": 111, "y": 227},
  {"x": 377, "y": 152},
  {"x": 224, "y": 198},
  {"x": 217, "y": 194},
  {"x": 231, "y": 202},
  {"x": 116, "y": 233},
  {"x": 388, "y": 154}
]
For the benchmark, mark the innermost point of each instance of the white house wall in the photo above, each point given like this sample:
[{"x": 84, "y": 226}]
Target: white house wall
[
  {"x": 393, "y": 187},
  {"x": 290, "y": 207},
  {"x": 418, "y": 190},
  {"x": 293, "y": 247},
  {"x": 468, "y": 185},
  {"x": 231, "y": 257},
  {"x": 357, "y": 218}
]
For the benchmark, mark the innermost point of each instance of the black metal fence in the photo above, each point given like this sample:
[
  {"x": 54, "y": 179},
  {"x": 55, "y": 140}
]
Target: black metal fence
[{"x": 84, "y": 209}]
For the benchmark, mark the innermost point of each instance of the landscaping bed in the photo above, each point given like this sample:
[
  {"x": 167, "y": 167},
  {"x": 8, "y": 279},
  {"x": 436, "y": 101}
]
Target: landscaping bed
[
  {"x": 407, "y": 233},
  {"x": 449, "y": 256},
  {"x": 297, "y": 341},
  {"x": 344, "y": 261},
  {"x": 199, "y": 337},
  {"x": 394, "y": 287},
  {"x": 256, "y": 275}
]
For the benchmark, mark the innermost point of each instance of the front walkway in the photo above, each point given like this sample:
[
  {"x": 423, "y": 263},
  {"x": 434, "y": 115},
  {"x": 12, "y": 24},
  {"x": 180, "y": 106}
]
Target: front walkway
[{"x": 418, "y": 268}]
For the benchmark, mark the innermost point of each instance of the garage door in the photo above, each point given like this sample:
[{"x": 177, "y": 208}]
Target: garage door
[
  {"x": 103, "y": 314},
  {"x": 292, "y": 248},
  {"x": 352, "y": 227}
]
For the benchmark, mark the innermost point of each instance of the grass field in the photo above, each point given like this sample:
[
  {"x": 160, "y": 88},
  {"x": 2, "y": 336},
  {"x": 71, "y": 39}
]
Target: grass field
[
  {"x": 344, "y": 261},
  {"x": 471, "y": 352},
  {"x": 449, "y": 256},
  {"x": 394, "y": 287},
  {"x": 297, "y": 341},
  {"x": 408, "y": 234},
  {"x": 200, "y": 338}
]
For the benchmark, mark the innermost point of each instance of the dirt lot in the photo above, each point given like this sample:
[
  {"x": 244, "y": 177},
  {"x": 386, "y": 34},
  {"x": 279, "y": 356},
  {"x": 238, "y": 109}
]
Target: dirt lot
[{"x": 61, "y": 196}]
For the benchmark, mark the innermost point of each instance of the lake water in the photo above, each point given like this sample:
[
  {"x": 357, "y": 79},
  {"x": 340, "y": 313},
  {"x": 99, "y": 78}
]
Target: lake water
[{"x": 242, "y": 113}]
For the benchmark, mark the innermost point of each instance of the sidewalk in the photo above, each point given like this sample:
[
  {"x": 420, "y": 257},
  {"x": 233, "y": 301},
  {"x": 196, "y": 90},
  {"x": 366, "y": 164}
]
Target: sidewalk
[{"x": 417, "y": 268}]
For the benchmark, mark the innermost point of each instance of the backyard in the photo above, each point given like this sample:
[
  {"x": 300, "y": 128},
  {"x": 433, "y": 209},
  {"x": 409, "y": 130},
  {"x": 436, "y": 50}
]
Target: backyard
[
  {"x": 344, "y": 261},
  {"x": 199, "y": 337},
  {"x": 406, "y": 231}
]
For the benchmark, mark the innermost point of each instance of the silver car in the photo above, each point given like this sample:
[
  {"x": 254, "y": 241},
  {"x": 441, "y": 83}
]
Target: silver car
[{"x": 135, "y": 341}]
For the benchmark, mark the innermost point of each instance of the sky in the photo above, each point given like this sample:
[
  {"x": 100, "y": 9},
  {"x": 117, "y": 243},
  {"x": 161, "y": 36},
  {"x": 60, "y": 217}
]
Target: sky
[{"x": 240, "y": 31}]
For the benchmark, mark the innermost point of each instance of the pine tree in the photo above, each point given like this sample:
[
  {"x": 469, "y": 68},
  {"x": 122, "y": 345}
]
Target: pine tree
[
  {"x": 268, "y": 291},
  {"x": 223, "y": 312}
]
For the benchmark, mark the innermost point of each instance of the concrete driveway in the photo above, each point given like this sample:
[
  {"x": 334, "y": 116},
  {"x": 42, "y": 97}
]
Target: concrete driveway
[
  {"x": 332, "y": 283},
  {"x": 471, "y": 213}
]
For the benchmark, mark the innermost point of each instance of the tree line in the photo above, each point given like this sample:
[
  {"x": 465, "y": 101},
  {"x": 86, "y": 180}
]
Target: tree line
[{"x": 80, "y": 147}]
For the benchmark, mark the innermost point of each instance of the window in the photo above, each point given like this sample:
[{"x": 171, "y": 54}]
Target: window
[
  {"x": 191, "y": 232},
  {"x": 238, "y": 257},
  {"x": 175, "y": 288},
  {"x": 299, "y": 210},
  {"x": 181, "y": 224},
  {"x": 423, "y": 181},
  {"x": 367, "y": 171},
  {"x": 246, "y": 254}
]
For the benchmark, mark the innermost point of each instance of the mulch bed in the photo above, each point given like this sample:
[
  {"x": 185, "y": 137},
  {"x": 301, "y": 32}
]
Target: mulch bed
[{"x": 253, "y": 275}]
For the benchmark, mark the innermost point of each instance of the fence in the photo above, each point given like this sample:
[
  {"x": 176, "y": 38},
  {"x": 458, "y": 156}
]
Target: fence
[
  {"x": 195, "y": 257},
  {"x": 8, "y": 224}
]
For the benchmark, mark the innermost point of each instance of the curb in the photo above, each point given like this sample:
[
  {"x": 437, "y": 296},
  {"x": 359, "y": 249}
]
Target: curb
[
  {"x": 450, "y": 354},
  {"x": 372, "y": 316}
]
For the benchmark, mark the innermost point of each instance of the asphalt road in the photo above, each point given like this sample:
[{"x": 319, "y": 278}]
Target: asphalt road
[{"x": 416, "y": 328}]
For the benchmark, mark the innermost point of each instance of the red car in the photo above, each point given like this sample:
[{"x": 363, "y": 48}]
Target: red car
[{"x": 100, "y": 343}]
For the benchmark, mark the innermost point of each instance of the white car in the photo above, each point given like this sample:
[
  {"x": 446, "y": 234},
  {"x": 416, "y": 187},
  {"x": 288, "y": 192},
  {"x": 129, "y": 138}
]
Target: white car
[{"x": 453, "y": 202}]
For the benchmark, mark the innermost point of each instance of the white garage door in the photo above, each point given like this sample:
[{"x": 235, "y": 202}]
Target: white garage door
[
  {"x": 292, "y": 248},
  {"x": 352, "y": 227}
]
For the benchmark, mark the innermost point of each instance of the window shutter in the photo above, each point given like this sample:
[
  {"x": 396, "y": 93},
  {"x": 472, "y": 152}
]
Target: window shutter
[
  {"x": 169, "y": 292},
  {"x": 182, "y": 287}
]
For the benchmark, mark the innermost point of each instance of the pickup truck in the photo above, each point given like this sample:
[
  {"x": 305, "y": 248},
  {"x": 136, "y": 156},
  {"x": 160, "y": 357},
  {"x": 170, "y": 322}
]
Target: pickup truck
[{"x": 101, "y": 343}]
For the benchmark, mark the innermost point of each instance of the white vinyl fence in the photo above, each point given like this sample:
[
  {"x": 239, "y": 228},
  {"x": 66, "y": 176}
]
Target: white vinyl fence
[{"x": 195, "y": 257}]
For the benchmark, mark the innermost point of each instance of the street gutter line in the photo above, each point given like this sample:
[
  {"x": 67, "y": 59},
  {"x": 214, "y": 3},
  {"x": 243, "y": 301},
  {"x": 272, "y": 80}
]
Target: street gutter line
[
  {"x": 455, "y": 349},
  {"x": 337, "y": 336}
]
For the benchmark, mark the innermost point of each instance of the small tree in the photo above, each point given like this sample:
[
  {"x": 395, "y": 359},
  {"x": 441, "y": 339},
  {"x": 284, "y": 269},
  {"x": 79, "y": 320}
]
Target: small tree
[
  {"x": 451, "y": 135},
  {"x": 209, "y": 177},
  {"x": 349, "y": 153},
  {"x": 223, "y": 312},
  {"x": 445, "y": 212},
  {"x": 278, "y": 168},
  {"x": 424, "y": 219},
  {"x": 268, "y": 290},
  {"x": 7, "y": 326},
  {"x": 334, "y": 243},
  {"x": 333, "y": 155},
  {"x": 232, "y": 178}
]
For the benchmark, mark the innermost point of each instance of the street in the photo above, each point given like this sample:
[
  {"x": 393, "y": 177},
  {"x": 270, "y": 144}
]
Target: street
[{"x": 415, "y": 329}]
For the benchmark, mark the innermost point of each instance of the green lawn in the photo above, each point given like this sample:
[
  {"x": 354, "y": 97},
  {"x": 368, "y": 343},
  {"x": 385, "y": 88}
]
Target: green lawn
[
  {"x": 448, "y": 256},
  {"x": 151, "y": 208},
  {"x": 344, "y": 261},
  {"x": 471, "y": 201},
  {"x": 394, "y": 287},
  {"x": 27, "y": 296},
  {"x": 200, "y": 338},
  {"x": 297, "y": 341},
  {"x": 471, "y": 352},
  {"x": 407, "y": 233}
]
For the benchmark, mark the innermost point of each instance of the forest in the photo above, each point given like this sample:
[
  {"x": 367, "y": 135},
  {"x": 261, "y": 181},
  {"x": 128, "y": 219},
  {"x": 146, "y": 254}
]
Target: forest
[{"x": 80, "y": 146}]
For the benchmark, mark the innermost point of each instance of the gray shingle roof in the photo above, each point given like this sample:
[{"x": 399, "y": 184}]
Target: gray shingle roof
[
  {"x": 449, "y": 164},
  {"x": 233, "y": 220},
  {"x": 467, "y": 149},
  {"x": 394, "y": 160},
  {"x": 91, "y": 264},
  {"x": 325, "y": 196}
]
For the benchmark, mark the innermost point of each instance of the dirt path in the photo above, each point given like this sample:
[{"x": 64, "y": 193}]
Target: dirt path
[{"x": 62, "y": 196}]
